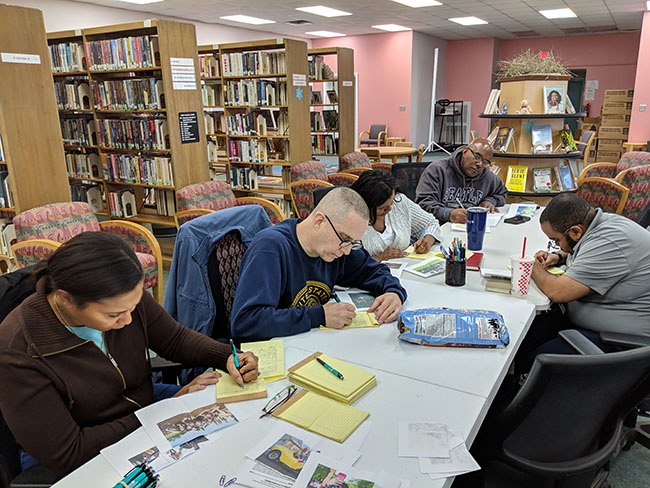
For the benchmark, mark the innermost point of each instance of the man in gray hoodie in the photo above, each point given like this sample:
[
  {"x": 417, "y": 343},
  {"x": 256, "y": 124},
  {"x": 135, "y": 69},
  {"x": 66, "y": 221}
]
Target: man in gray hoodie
[{"x": 461, "y": 179}]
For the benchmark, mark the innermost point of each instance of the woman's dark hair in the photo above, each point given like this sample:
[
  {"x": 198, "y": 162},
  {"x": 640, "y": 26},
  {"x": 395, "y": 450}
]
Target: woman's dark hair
[
  {"x": 90, "y": 267},
  {"x": 550, "y": 95},
  {"x": 375, "y": 187}
]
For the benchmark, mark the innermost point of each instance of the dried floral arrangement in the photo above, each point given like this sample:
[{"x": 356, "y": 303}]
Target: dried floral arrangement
[{"x": 530, "y": 63}]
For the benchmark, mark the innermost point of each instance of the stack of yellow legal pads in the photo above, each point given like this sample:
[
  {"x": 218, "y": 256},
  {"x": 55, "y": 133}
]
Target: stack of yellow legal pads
[{"x": 312, "y": 375}]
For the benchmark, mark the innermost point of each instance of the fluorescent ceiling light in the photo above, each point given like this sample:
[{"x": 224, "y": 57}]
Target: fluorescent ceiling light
[
  {"x": 247, "y": 20},
  {"x": 468, "y": 20},
  {"x": 558, "y": 13},
  {"x": 324, "y": 11},
  {"x": 140, "y": 2},
  {"x": 392, "y": 27},
  {"x": 418, "y": 3},
  {"x": 324, "y": 34},
  {"x": 647, "y": 5}
]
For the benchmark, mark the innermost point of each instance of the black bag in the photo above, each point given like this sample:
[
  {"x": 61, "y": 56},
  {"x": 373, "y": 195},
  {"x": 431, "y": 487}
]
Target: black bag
[{"x": 14, "y": 288}]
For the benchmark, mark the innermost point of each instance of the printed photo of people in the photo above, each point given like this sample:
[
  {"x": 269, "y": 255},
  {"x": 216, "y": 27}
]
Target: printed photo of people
[
  {"x": 202, "y": 421},
  {"x": 155, "y": 460},
  {"x": 554, "y": 97},
  {"x": 326, "y": 477}
]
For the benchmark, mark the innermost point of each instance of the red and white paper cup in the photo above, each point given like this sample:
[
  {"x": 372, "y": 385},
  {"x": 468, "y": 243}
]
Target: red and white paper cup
[{"x": 522, "y": 269}]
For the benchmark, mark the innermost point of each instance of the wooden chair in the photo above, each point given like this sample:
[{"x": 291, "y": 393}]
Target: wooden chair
[
  {"x": 302, "y": 197},
  {"x": 217, "y": 195},
  {"x": 604, "y": 193},
  {"x": 29, "y": 252},
  {"x": 356, "y": 171},
  {"x": 420, "y": 153},
  {"x": 373, "y": 154},
  {"x": 383, "y": 166},
  {"x": 59, "y": 222},
  {"x": 342, "y": 179},
  {"x": 587, "y": 146},
  {"x": 377, "y": 134},
  {"x": 183, "y": 216},
  {"x": 404, "y": 144}
]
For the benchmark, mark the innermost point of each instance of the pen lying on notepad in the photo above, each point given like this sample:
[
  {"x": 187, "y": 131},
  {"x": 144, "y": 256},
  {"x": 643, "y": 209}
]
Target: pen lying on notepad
[{"x": 330, "y": 369}]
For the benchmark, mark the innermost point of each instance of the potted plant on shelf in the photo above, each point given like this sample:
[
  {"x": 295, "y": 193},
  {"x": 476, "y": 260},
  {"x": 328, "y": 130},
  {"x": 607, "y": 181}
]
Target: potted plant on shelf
[{"x": 531, "y": 66}]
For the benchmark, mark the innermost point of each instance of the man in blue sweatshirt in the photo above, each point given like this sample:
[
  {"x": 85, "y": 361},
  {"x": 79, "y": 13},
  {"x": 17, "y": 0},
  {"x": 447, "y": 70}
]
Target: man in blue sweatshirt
[
  {"x": 461, "y": 179},
  {"x": 287, "y": 274}
]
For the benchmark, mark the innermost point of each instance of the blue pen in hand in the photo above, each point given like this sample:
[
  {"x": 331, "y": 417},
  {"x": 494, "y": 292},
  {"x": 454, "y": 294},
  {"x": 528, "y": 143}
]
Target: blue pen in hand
[
  {"x": 330, "y": 369},
  {"x": 336, "y": 297},
  {"x": 235, "y": 358}
]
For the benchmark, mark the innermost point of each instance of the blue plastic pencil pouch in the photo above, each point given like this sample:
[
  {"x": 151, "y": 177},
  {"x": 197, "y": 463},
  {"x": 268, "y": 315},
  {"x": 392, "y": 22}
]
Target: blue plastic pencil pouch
[{"x": 453, "y": 327}]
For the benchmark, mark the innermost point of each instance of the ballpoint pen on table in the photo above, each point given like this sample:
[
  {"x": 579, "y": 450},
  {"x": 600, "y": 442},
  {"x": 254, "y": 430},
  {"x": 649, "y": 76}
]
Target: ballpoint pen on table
[
  {"x": 235, "y": 358},
  {"x": 330, "y": 369}
]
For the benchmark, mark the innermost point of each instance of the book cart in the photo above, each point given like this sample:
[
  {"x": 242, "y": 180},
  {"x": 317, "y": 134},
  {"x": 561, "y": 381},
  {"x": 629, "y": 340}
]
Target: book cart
[
  {"x": 332, "y": 101},
  {"x": 131, "y": 116},
  {"x": 519, "y": 153}
]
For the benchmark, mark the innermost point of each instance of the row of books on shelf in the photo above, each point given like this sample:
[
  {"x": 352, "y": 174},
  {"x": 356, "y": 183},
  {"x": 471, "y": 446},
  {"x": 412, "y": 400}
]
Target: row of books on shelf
[
  {"x": 93, "y": 194},
  {"x": 7, "y": 236},
  {"x": 253, "y": 63},
  {"x": 215, "y": 152},
  {"x": 123, "y": 53},
  {"x": 257, "y": 150},
  {"x": 542, "y": 178},
  {"x": 214, "y": 122},
  {"x": 211, "y": 94},
  {"x": 541, "y": 138},
  {"x": 80, "y": 132},
  {"x": 325, "y": 120},
  {"x": 252, "y": 93},
  {"x": 122, "y": 203},
  {"x": 6, "y": 195},
  {"x": 164, "y": 200},
  {"x": 319, "y": 70},
  {"x": 208, "y": 65},
  {"x": 317, "y": 97},
  {"x": 148, "y": 134},
  {"x": 67, "y": 57},
  {"x": 324, "y": 144},
  {"x": 243, "y": 178},
  {"x": 72, "y": 95},
  {"x": 554, "y": 101},
  {"x": 135, "y": 168},
  {"x": 137, "y": 94},
  {"x": 80, "y": 165}
]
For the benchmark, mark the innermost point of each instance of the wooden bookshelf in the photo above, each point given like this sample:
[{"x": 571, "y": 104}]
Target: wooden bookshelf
[
  {"x": 290, "y": 77},
  {"x": 117, "y": 107},
  {"x": 213, "y": 109},
  {"x": 341, "y": 62},
  {"x": 29, "y": 125}
]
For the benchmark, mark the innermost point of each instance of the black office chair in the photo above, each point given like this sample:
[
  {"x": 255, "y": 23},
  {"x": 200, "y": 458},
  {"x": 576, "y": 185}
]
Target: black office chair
[
  {"x": 566, "y": 421},
  {"x": 407, "y": 176},
  {"x": 643, "y": 219}
]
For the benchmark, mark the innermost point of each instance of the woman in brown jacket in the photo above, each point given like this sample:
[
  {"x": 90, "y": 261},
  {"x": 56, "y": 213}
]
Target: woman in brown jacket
[{"x": 74, "y": 355}]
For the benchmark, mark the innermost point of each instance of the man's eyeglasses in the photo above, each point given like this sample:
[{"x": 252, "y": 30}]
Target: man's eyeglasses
[
  {"x": 354, "y": 245},
  {"x": 478, "y": 157},
  {"x": 280, "y": 399},
  {"x": 554, "y": 245}
]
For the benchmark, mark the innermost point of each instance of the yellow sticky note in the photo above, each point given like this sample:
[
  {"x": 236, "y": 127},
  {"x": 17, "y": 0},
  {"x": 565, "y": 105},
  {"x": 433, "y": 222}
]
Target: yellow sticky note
[
  {"x": 361, "y": 321},
  {"x": 413, "y": 255},
  {"x": 271, "y": 358},
  {"x": 554, "y": 270},
  {"x": 228, "y": 388}
]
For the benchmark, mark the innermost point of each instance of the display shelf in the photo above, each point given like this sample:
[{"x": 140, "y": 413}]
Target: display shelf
[{"x": 533, "y": 116}]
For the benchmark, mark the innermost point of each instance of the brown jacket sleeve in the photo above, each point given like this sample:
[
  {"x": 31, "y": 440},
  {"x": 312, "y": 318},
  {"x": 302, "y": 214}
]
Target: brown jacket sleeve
[
  {"x": 55, "y": 439},
  {"x": 174, "y": 342}
]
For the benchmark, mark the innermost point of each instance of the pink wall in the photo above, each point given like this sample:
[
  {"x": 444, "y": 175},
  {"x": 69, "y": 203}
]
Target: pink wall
[
  {"x": 383, "y": 62},
  {"x": 609, "y": 58},
  {"x": 469, "y": 76},
  {"x": 640, "y": 122}
]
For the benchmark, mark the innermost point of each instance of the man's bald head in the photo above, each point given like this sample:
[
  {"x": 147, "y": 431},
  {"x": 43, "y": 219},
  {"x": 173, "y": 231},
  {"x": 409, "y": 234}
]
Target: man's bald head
[
  {"x": 482, "y": 145},
  {"x": 340, "y": 202},
  {"x": 476, "y": 157}
]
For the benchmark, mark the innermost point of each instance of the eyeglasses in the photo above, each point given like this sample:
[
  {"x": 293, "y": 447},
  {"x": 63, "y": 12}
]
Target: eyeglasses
[
  {"x": 478, "y": 157},
  {"x": 354, "y": 245},
  {"x": 279, "y": 399},
  {"x": 553, "y": 244}
]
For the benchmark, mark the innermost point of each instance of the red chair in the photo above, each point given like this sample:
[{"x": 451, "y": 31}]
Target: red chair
[{"x": 302, "y": 196}]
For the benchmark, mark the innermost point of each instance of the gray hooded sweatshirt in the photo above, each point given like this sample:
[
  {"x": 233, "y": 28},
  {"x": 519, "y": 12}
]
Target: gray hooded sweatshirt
[{"x": 443, "y": 182}]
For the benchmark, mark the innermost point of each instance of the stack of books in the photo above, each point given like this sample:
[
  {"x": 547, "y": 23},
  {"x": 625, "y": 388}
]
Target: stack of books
[{"x": 316, "y": 377}]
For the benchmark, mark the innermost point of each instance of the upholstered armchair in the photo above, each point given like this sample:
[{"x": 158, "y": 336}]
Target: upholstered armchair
[
  {"x": 637, "y": 180},
  {"x": 383, "y": 166},
  {"x": 211, "y": 196},
  {"x": 357, "y": 170},
  {"x": 376, "y": 135},
  {"x": 302, "y": 196},
  {"x": 41, "y": 230},
  {"x": 342, "y": 179},
  {"x": 604, "y": 193},
  {"x": 354, "y": 160},
  {"x": 611, "y": 170},
  {"x": 314, "y": 170}
]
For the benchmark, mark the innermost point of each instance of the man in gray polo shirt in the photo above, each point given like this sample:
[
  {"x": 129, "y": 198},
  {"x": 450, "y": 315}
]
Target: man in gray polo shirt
[{"x": 606, "y": 287}]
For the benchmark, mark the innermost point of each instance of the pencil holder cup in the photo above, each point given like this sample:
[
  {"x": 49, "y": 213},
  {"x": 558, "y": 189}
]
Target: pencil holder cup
[{"x": 455, "y": 272}]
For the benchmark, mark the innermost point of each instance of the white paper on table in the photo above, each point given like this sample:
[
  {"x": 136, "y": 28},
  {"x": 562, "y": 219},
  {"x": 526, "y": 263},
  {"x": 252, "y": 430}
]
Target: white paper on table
[
  {"x": 339, "y": 472},
  {"x": 496, "y": 273},
  {"x": 522, "y": 209},
  {"x": 362, "y": 300},
  {"x": 396, "y": 267},
  {"x": 357, "y": 438},
  {"x": 494, "y": 218},
  {"x": 387, "y": 480},
  {"x": 157, "y": 412},
  {"x": 278, "y": 458},
  {"x": 459, "y": 461},
  {"x": 422, "y": 439},
  {"x": 463, "y": 228}
]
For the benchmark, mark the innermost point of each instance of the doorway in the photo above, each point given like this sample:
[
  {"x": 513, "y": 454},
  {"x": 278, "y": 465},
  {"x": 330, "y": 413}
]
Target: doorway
[{"x": 575, "y": 91}]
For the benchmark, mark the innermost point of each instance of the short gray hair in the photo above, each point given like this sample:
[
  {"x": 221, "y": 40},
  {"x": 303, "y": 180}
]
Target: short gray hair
[{"x": 340, "y": 202}]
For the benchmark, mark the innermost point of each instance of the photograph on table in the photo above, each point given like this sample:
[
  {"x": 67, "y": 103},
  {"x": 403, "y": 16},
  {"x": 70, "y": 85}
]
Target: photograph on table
[
  {"x": 158, "y": 461},
  {"x": 554, "y": 99},
  {"x": 202, "y": 421},
  {"x": 328, "y": 477},
  {"x": 287, "y": 455}
]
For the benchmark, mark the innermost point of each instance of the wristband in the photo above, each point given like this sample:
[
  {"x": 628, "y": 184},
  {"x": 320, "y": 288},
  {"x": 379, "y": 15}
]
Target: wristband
[{"x": 559, "y": 256}]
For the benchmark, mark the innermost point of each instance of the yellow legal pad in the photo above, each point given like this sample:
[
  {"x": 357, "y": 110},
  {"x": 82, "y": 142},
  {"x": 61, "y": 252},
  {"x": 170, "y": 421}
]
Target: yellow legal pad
[
  {"x": 321, "y": 415},
  {"x": 229, "y": 391},
  {"x": 271, "y": 358},
  {"x": 430, "y": 254},
  {"x": 360, "y": 321},
  {"x": 312, "y": 375}
]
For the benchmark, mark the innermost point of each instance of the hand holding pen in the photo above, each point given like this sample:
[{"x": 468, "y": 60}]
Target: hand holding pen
[
  {"x": 242, "y": 366},
  {"x": 458, "y": 215},
  {"x": 338, "y": 314}
]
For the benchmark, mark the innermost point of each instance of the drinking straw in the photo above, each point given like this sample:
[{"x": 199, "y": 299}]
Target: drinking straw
[{"x": 523, "y": 251}]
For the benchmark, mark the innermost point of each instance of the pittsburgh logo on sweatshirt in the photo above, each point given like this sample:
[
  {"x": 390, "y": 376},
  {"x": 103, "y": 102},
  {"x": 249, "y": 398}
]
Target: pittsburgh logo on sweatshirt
[
  {"x": 467, "y": 194},
  {"x": 313, "y": 294}
]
